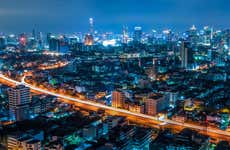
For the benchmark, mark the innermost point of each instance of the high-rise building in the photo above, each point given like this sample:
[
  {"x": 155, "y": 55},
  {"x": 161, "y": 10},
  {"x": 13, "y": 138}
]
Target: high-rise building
[
  {"x": 19, "y": 100},
  {"x": 31, "y": 43},
  {"x": 48, "y": 36},
  {"x": 34, "y": 35},
  {"x": 118, "y": 99},
  {"x": 155, "y": 103},
  {"x": 137, "y": 34},
  {"x": 192, "y": 35},
  {"x": 54, "y": 43},
  {"x": 40, "y": 40},
  {"x": 186, "y": 53},
  {"x": 125, "y": 35},
  {"x": 207, "y": 36}
]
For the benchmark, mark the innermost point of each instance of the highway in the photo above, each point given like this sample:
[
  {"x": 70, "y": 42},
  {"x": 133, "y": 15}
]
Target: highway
[{"x": 128, "y": 113}]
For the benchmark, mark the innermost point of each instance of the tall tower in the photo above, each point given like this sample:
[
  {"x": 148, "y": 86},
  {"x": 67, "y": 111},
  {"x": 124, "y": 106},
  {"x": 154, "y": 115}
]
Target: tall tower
[
  {"x": 186, "y": 55},
  {"x": 125, "y": 35},
  {"x": 34, "y": 34},
  {"x": 19, "y": 100},
  {"x": 137, "y": 34},
  {"x": 91, "y": 26}
]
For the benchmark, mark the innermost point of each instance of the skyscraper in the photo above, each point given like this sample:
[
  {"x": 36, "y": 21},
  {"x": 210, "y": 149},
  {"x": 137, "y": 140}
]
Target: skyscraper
[
  {"x": 207, "y": 36},
  {"x": 125, "y": 35},
  {"x": 54, "y": 43},
  {"x": 40, "y": 40},
  {"x": 192, "y": 36},
  {"x": 137, "y": 34},
  {"x": 186, "y": 53},
  {"x": 34, "y": 35},
  {"x": 19, "y": 100}
]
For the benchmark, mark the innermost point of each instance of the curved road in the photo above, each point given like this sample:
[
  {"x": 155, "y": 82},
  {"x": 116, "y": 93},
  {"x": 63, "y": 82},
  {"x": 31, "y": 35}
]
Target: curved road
[{"x": 144, "y": 116}]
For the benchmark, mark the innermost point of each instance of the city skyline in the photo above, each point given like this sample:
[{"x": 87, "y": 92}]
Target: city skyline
[
  {"x": 72, "y": 16},
  {"x": 114, "y": 75}
]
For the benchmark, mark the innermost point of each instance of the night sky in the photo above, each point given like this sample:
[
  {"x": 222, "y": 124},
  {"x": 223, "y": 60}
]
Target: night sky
[{"x": 72, "y": 15}]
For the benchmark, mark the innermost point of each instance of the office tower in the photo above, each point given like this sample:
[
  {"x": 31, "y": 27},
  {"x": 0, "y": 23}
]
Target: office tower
[
  {"x": 54, "y": 43},
  {"x": 125, "y": 35},
  {"x": 192, "y": 35},
  {"x": 118, "y": 99},
  {"x": 167, "y": 35},
  {"x": 91, "y": 26},
  {"x": 48, "y": 36},
  {"x": 34, "y": 34},
  {"x": 186, "y": 53},
  {"x": 172, "y": 96},
  {"x": 63, "y": 45},
  {"x": 40, "y": 40},
  {"x": 137, "y": 34},
  {"x": 207, "y": 36},
  {"x": 19, "y": 100},
  {"x": 155, "y": 103}
]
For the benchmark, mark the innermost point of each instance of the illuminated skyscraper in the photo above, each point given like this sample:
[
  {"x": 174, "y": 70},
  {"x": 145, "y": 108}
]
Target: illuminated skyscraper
[
  {"x": 125, "y": 35},
  {"x": 137, "y": 34},
  {"x": 186, "y": 53},
  {"x": 40, "y": 40},
  {"x": 19, "y": 100},
  {"x": 192, "y": 35},
  {"x": 54, "y": 43},
  {"x": 207, "y": 36},
  {"x": 34, "y": 34},
  {"x": 89, "y": 40}
]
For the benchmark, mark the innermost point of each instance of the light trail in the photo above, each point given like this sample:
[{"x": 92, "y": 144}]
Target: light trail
[{"x": 98, "y": 105}]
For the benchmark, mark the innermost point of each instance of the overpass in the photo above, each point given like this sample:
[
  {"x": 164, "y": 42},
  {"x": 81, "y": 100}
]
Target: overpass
[{"x": 128, "y": 113}]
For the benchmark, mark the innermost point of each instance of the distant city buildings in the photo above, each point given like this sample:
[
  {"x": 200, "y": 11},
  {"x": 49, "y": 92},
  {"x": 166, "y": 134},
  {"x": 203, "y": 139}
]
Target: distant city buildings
[
  {"x": 137, "y": 36},
  {"x": 177, "y": 78}
]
